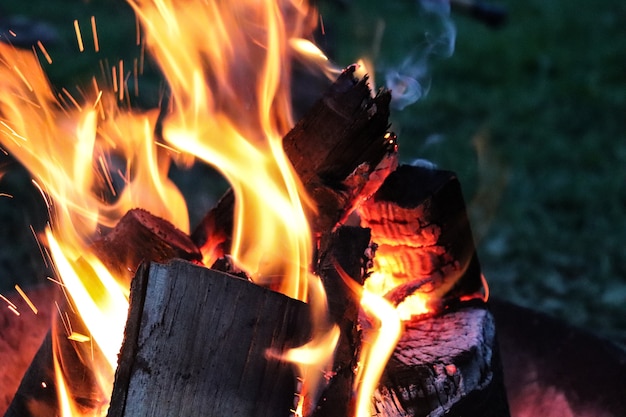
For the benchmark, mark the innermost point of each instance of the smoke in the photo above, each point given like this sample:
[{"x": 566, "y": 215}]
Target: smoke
[{"x": 411, "y": 80}]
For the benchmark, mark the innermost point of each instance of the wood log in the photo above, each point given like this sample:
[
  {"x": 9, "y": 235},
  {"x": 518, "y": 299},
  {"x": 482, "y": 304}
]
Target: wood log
[
  {"x": 419, "y": 222},
  {"x": 347, "y": 249},
  {"x": 138, "y": 236},
  {"x": 21, "y": 335},
  {"x": 337, "y": 149},
  {"x": 445, "y": 365},
  {"x": 199, "y": 342}
]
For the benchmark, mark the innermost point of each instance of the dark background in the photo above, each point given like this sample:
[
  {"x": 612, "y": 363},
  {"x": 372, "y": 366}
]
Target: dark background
[{"x": 531, "y": 115}]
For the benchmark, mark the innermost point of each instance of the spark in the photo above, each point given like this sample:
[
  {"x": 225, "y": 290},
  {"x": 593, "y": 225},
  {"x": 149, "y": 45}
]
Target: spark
[
  {"x": 13, "y": 132},
  {"x": 322, "y": 27},
  {"x": 43, "y": 194},
  {"x": 97, "y": 102},
  {"x": 72, "y": 99},
  {"x": 169, "y": 148},
  {"x": 55, "y": 281},
  {"x": 79, "y": 37},
  {"x": 25, "y": 297},
  {"x": 107, "y": 175},
  {"x": 136, "y": 76},
  {"x": 6, "y": 195},
  {"x": 12, "y": 33},
  {"x": 66, "y": 325},
  {"x": 137, "y": 31},
  {"x": 44, "y": 52},
  {"x": 24, "y": 79},
  {"x": 78, "y": 337},
  {"x": 9, "y": 302},
  {"x": 96, "y": 43},
  {"x": 17, "y": 313},
  {"x": 121, "y": 74},
  {"x": 114, "y": 78},
  {"x": 43, "y": 384},
  {"x": 43, "y": 255}
]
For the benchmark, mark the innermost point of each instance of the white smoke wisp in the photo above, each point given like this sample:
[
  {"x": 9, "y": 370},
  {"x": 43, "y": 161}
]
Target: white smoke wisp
[{"x": 411, "y": 80}]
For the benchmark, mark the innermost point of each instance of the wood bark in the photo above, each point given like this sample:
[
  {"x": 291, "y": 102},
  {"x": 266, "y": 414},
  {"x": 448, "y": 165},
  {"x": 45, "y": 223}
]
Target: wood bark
[
  {"x": 445, "y": 365},
  {"x": 341, "y": 151},
  {"x": 419, "y": 222},
  {"x": 200, "y": 342},
  {"x": 138, "y": 236}
]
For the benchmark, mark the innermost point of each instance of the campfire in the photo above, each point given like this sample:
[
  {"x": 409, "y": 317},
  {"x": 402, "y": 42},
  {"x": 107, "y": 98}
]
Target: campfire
[{"x": 328, "y": 281}]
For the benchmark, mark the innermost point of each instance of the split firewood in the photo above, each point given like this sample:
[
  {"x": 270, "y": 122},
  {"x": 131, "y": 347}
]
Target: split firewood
[
  {"x": 446, "y": 365},
  {"x": 419, "y": 222},
  {"x": 138, "y": 236},
  {"x": 199, "y": 342},
  {"x": 346, "y": 249},
  {"x": 337, "y": 149}
]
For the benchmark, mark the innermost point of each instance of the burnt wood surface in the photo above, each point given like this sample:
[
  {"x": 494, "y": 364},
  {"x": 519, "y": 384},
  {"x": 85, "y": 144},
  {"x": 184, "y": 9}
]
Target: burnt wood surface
[
  {"x": 337, "y": 149},
  {"x": 445, "y": 365},
  {"x": 346, "y": 249},
  {"x": 199, "y": 342},
  {"x": 419, "y": 222}
]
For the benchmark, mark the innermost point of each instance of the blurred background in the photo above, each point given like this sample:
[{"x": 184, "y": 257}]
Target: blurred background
[{"x": 525, "y": 101}]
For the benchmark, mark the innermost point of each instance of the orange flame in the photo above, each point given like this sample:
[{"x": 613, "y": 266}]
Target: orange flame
[{"x": 228, "y": 69}]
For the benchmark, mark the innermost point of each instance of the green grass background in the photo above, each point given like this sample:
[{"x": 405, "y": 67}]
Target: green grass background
[{"x": 531, "y": 116}]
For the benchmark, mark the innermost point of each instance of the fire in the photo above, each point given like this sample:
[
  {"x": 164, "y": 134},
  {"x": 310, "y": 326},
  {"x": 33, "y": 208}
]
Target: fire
[{"x": 227, "y": 65}]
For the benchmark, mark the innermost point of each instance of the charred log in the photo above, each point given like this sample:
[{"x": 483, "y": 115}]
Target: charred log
[
  {"x": 419, "y": 222},
  {"x": 346, "y": 249},
  {"x": 445, "y": 365}
]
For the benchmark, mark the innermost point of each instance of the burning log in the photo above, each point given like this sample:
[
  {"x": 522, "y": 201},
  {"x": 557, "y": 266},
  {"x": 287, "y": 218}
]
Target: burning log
[
  {"x": 446, "y": 361},
  {"x": 346, "y": 248},
  {"x": 209, "y": 343},
  {"x": 445, "y": 365},
  {"x": 138, "y": 236},
  {"x": 338, "y": 149},
  {"x": 425, "y": 244}
]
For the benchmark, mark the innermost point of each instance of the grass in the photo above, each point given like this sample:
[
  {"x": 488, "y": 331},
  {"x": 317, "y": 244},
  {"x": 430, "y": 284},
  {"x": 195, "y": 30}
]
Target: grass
[{"x": 530, "y": 116}]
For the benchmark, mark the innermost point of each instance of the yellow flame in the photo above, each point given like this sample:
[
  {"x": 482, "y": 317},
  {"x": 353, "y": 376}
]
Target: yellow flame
[
  {"x": 60, "y": 146},
  {"x": 228, "y": 67},
  {"x": 375, "y": 354},
  {"x": 378, "y": 344},
  {"x": 231, "y": 107}
]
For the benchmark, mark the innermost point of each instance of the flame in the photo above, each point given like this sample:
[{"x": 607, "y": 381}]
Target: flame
[
  {"x": 378, "y": 344},
  {"x": 227, "y": 65},
  {"x": 231, "y": 108}
]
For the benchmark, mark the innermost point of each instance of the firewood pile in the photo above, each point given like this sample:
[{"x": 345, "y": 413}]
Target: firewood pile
[{"x": 197, "y": 336}]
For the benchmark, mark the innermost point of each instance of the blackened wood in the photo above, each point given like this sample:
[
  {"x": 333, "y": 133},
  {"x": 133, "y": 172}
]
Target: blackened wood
[
  {"x": 418, "y": 219},
  {"x": 445, "y": 365},
  {"x": 204, "y": 343},
  {"x": 346, "y": 249},
  {"x": 138, "y": 236},
  {"x": 336, "y": 149}
]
